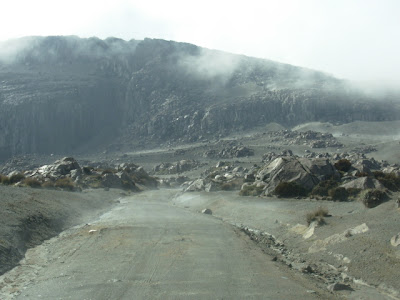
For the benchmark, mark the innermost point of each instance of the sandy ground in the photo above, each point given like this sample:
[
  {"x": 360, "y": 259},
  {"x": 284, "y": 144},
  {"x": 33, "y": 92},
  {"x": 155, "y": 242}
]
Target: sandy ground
[
  {"x": 29, "y": 216},
  {"x": 364, "y": 256}
]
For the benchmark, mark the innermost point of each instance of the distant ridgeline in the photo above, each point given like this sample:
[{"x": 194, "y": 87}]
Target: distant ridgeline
[{"x": 62, "y": 94}]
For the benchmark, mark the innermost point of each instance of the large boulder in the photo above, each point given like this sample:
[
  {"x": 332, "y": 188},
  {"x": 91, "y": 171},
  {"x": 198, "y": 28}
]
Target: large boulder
[
  {"x": 138, "y": 175},
  {"x": 65, "y": 165},
  {"x": 111, "y": 180},
  {"x": 195, "y": 186},
  {"x": 119, "y": 180},
  {"x": 303, "y": 171},
  {"x": 373, "y": 197},
  {"x": 60, "y": 168}
]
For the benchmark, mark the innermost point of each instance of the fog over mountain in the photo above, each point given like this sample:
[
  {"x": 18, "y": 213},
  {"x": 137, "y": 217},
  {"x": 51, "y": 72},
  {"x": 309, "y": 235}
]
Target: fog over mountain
[{"x": 63, "y": 94}]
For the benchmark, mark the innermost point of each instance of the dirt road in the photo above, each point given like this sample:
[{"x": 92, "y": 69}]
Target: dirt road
[{"x": 146, "y": 248}]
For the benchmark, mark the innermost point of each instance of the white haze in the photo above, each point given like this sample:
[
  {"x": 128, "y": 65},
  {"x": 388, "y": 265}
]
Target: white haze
[
  {"x": 209, "y": 64},
  {"x": 356, "y": 39}
]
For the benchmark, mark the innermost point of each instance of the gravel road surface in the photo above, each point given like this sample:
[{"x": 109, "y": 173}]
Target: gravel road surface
[{"x": 145, "y": 248}]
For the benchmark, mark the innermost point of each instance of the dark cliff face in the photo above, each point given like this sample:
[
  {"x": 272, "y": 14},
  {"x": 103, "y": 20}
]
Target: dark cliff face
[{"x": 61, "y": 94}]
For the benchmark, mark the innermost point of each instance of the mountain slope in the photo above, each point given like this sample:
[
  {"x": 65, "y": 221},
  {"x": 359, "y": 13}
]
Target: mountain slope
[{"x": 60, "y": 94}]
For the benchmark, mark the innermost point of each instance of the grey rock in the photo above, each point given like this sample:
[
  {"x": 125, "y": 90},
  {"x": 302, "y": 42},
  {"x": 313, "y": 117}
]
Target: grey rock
[
  {"x": 395, "y": 240},
  {"x": 237, "y": 170},
  {"x": 13, "y": 173},
  {"x": 65, "y": 165},
  {"x": 363, "y": 183},
  {"x": 391, "y": 169},
  {"x": 75, "y": 173},
  {"x": 220, "y": 164},
  {"x": 118, "y": 180},
  {"x": 177, "y": 167},
  {"x": 111, "y": 180},
  {"x": 249, "y": 177},
  {"x": 197, "y": 185},
  {"x": 58, "y": 169},
  {"x": 373, "y": 197},
  {"x": 207, "y": 211},
  {"x": 127, "y": 167},
  {"x": 212, "y": 187},
  {"x": 305, "y": 172},
  {"x": 334, "y": 287}
]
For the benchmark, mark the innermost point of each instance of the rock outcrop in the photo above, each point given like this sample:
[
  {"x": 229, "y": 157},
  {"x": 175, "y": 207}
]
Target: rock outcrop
[
  {"x": 58, "y": 169},
  {"x": 303, "y": 171},
  {"x": 67, "y": 172},
  {"x": 363, "y": 183},
  {"x": 60, "y": 94},
  {"x": 230, "y": 152}
]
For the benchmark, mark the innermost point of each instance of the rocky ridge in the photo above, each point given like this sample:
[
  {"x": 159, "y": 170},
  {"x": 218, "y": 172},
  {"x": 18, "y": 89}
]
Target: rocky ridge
[{"x": 66, "y": 94}]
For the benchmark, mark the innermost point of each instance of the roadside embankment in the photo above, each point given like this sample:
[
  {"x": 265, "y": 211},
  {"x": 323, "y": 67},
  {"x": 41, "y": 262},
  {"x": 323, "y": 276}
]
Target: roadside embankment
[{"x": 30, "y": 216}]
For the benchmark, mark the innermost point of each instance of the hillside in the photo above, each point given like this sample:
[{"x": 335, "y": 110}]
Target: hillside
[{"x": 67, "y": 94}]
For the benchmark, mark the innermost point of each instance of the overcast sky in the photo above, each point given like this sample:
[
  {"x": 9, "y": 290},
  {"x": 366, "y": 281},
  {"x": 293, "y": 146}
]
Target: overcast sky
[{"x": 353, "y": 39}]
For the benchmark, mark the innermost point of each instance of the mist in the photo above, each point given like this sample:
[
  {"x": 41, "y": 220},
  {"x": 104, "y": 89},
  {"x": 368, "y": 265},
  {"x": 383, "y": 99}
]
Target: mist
[
  {"x": 10, "y": 49},
  {"x": 352, "y": 41},
  {"x": 210, "y": 65},
  {"x": 60, "y": 48}
]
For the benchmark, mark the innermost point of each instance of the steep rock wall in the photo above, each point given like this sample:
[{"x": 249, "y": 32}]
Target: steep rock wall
[{"x": 62, "y": 94}]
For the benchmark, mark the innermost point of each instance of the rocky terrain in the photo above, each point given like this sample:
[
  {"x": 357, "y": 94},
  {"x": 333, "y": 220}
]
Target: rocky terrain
[
  {"x": 69, "y": 95},
  {"x": 325, "y": 212},
  {"x": 305, "y": 165}
]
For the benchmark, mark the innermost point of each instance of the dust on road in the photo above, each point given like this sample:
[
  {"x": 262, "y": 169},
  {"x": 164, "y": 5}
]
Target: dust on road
[{"x": 146, "y": 248}]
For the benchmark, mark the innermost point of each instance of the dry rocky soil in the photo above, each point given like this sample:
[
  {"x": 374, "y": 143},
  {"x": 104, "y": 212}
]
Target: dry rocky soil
[{"x": 353, "y": 250}]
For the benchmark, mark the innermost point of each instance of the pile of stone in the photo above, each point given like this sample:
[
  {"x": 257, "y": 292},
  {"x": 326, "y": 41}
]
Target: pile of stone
[
  {"x": 302, "y": 171},
  {"x": 365, "y": 149},
  {"x": 223, "y": 176},
  {"x": 172, "y": 182},
  {"x": 176, "y": 167},
  {"x": 65, "y": 167},
  {"x": 366, "y": 179},
  {"x": 19, "y": 163},
  {"x": 270, "y": 156},
  {"x": 124, "y": 176},
  {"x": 309, "y": 138},
  {"x": 230, "y": 152}
]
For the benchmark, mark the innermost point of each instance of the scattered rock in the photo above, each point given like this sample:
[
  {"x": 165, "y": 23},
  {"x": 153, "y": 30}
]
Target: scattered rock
[
  {"x": 339, "y": 287},
  {"x": 395, "y": 241},
  {"x": 177, "y": 167},
  {"x": 307, "y": 269},
  {"x": 207, "y": 211},
  {"x": 309, "y": 138},
  {"x": 229, "y": 150}
]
